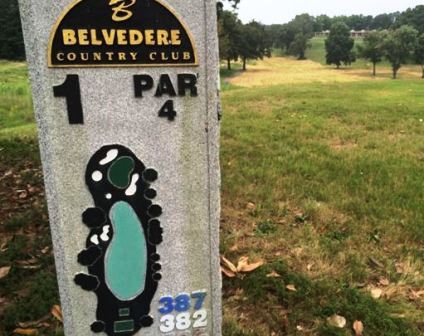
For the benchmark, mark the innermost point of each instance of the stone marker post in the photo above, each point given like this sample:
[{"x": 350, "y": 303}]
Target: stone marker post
[{"x": 126, "y": 101}]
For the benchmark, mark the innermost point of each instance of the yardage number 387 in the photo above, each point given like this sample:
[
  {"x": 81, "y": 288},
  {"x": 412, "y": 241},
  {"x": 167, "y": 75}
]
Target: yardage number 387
[{"x": 182, "y": 305}]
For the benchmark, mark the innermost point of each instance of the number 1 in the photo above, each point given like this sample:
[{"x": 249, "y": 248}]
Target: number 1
[{"x": 70, "y": 89}]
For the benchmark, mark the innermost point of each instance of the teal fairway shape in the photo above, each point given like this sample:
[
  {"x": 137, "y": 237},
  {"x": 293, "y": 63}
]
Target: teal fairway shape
[{"x": 126, "y": 256}]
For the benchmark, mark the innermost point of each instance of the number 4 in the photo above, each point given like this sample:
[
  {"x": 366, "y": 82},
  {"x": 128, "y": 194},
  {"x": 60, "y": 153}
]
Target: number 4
[{"x": 167, "y": 111}]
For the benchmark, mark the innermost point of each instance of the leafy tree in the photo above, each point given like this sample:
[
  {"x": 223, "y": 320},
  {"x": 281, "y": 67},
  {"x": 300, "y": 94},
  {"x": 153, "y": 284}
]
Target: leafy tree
[
  {"x": 322, "y": 23},
  {"x": 413, "y": 17},
  {"x": 419, "y": 52},
  {"x": 399, "y": 46},
  {"x": 372, "y": 48},
  {"x": 11, "y": 40},
  {"x": 299, "y": 45},
  {"x": 384, "y": 21},
  {"x": 254, "y": 42},
  {"x": 230, "y": 33},
  {"x": 302, "y": 25},
  {"x": 294, "y": 36},
  {"x": 339, "y": 45},
  {"x": 273, "y": 32},
  {"x": 285, "y": 37},
  {"x": 359, "y": 22}
]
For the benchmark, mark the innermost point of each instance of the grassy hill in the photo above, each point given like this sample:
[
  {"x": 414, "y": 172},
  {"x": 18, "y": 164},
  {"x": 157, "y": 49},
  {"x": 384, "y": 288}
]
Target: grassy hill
[{"x": 323, "y": 180}]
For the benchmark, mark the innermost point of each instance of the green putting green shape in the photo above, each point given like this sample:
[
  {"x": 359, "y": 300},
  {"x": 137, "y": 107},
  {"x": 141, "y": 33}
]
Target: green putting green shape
[
  {"x": 126, "y": 257},
  {"x": 120, "y": 172}
]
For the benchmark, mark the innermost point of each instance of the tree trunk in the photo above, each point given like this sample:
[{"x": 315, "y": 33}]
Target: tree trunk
[
  {"x": 395, "y": 73},
  {"x": 422, "y": 67},
  {"x": 244, "y": 63},
  {"x": 228, "y": 63},
  {"x": 338, "y": 66},
  {"x": 374, "y": 71}
]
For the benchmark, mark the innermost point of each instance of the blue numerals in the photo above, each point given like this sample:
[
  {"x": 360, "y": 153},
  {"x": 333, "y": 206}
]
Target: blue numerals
[
  {"x": 168, "y": 305},
  {"x": 182, "y": 303},
  {"x": 199, "y": 297}
]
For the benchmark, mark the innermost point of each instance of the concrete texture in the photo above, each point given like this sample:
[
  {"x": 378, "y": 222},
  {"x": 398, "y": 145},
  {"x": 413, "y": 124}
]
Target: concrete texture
[{"x": 184, "y": 152}]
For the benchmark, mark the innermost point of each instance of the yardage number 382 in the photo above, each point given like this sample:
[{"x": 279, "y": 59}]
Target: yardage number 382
[{"x": 182, "y": 305}]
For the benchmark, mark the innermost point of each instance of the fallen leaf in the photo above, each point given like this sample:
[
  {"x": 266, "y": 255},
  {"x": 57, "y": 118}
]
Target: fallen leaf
[
  {"x": 337, "y": 321},
  {"x": 243, "y": 266},
  {"x": 3, "y": 247},
  {"x": 400, "y": 268},
  {"x": 45, "y": 250},
  {"x": 297, "y": 251},
  {"x": 376, "y": 263},
  {"x": 251, "y": 267},
  {"x": 376, "y": 293},
  {"x": 21, "y": 331},
  {"x": 273, "y": 274},
  {"x": 242, "y": 263},
  {"x": 23, "y": 195},
  {"x": 31, "y": 261},
  {"x": 35, "y": 324},
  {"x": 250, "y": 206},
  {"x": 229, "y": 264},
  {"x": 358, "y": 327},
  {"x": 4, "y": 271},
  {"x": 227, "y": 272},
  {"x": 416, "y": 295},
  {"x": 57, "y": 312},
  {"x": 384, "y": 282},
  {"x": 291, "y": 288},
  {"x": 309, "y": 267},
  {"x": 28, "y": 264}
]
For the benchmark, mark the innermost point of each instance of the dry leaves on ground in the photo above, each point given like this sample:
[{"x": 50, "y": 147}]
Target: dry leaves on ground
[
  {"x": 376, "y": 293},
  {"x": 4, "y": 271},
  {"x": 358, "y": 327},
  {"x": 57, "y": 312},
  {"x": 416, "y": 295},
  {"x": 337, "y": 321},
  {"x": 22, "y": 331},
  {"x": 291, "y": 288},
  {"x": 31, "y": 325},
  {"x": 273, "y": 274},
  {"x": 384, "y": 282},
  {"x": 251, "y": 206},
  {"x": 243, "y": 266}
]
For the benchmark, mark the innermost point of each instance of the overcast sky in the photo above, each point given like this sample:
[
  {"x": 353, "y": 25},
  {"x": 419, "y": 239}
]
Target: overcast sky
[{"x": 281, "y": 11}]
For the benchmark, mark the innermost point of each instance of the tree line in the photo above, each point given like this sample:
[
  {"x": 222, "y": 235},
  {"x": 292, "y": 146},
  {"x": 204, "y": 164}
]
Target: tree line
[
  {"x": 241, "y": 41},
  {"x": 398, "y": 46},
  {"x": 11, "y": 40},
  {"x": 399, "y": 37}
]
